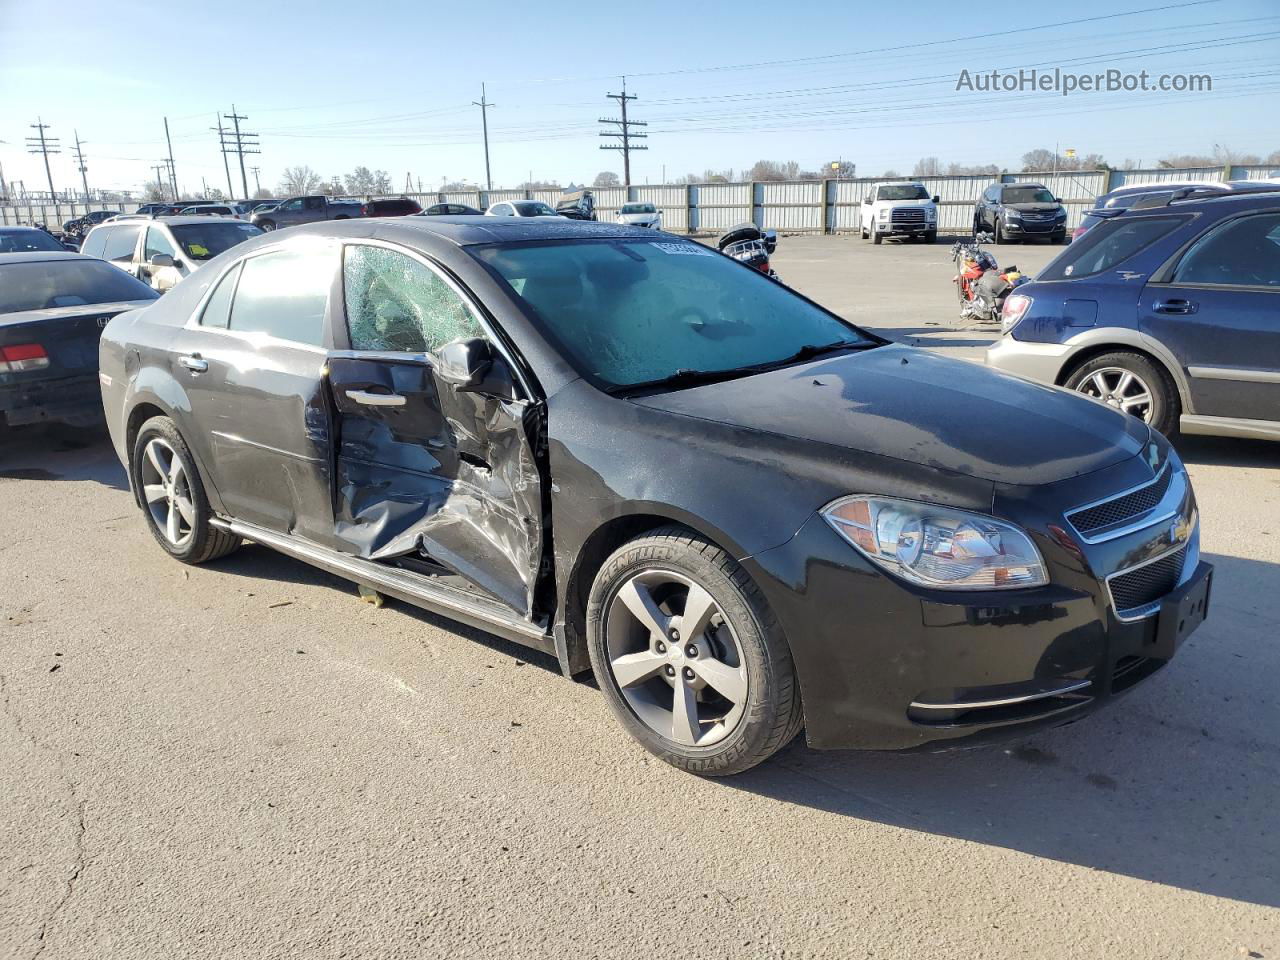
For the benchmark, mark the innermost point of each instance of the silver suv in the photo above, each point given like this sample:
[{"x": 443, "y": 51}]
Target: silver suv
[{"x": 161, "y": 252}]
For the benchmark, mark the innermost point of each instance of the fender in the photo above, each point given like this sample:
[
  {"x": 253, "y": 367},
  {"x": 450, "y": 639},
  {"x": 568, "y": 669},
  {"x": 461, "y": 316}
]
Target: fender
[
  {"x": 156, "y": 387},
  {"x": 1124, "y": 337}
]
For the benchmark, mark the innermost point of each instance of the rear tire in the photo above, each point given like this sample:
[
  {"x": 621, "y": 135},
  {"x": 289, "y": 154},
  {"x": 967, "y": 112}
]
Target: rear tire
[
  {"x": 725, "y": 687},
  {"x": 172, "y": 495},
  {"x": 267, "y": 225},
  {"x": 1104, "y": 378}
]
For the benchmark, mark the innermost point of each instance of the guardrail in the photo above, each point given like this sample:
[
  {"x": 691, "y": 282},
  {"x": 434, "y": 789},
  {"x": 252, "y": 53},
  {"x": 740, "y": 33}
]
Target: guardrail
[{"x": 788, "y": 206}]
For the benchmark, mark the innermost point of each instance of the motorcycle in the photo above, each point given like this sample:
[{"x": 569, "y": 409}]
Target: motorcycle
[
  {"x": 981, "y": 285},
  {"x": 751, "y": 245}
]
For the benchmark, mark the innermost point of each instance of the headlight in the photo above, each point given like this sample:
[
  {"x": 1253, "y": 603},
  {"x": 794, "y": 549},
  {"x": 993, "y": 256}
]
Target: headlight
[
  {"x": 930, "y": 213},
  {"x": 1012, "y": 215},
  {"x": 1060, "y": 215},
  {"x": 938, "y": 547},
  {"x": 884, "y": 214}
]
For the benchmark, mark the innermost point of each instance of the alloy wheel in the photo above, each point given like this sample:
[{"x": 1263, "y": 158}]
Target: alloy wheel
[
  {"x": 1119, "y": 388},
  {"x": 675, "y": 658},
  {"x": 166, "y": 488}
]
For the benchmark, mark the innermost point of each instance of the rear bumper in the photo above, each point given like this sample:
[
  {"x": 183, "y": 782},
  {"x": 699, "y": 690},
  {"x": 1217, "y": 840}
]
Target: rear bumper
[
  {"x": 73, "y": 400},
  {"x": 1041, "y": 362},
  {"x": 886, "y": 667}
]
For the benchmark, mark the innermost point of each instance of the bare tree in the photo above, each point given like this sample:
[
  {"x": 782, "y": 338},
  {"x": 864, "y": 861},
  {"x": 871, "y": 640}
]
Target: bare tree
[
  {"x": 540, "y": 185},
  {"x": 606, "y": 178},
  {"x": 841, "y": 169},
  {"x": 154, "y": 190},
  {"x": 972, "y": 170},
  {"x": 298, "y": 181},
  {"x": 927, "y": 167},
  {"x": 1039, "y": 159},
  {"x": 891, "y": 174}
]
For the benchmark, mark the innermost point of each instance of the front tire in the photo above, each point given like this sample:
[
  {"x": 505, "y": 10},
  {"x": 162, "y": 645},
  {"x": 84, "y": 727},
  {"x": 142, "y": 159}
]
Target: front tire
[
  {"x": 999, "y": 234},
  {"x": 267, "y": 225},
  {"x": 876, "y": 235},
  {"x": 690, "y": 658},
  {"x": 1133, "y": 384},
  {"x": 172, "y": 495}
]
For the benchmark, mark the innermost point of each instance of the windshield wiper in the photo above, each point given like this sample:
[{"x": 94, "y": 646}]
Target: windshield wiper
[{"x": 685, "y": 377}]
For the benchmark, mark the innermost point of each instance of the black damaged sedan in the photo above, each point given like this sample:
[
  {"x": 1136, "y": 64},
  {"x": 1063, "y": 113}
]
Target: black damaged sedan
[{"x": 745, "y": 515}]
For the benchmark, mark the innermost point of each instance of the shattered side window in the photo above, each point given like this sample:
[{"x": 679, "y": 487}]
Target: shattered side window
[{"x": 396, "y": 303}]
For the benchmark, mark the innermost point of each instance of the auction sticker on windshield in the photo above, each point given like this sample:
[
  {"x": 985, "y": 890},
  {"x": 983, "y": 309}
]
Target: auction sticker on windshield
[{"x": 684, "y": 249}]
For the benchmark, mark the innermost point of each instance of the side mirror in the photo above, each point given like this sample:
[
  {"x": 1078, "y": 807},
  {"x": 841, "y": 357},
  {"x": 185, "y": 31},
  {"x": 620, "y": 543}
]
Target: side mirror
[
  {"x": 867, "y": 198},
  {"x": 161, "y": 260},
  {"x": 73, "y": 247},
  {"x": 472, "y": 366},
  {"x": 936, "y": 198}
]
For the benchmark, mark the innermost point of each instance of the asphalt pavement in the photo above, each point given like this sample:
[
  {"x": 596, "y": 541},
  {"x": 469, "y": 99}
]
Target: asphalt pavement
[{"x": 243, "y": 760}]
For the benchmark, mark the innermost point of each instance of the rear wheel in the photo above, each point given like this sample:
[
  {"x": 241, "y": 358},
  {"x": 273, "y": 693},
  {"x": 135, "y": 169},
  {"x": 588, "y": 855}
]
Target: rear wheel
[
  {"x": 267, "y": 224},
  {"x": 689, "y": 656},
  {"x": 1132, "y": 383},
  {"x": 172, "y": 496}
]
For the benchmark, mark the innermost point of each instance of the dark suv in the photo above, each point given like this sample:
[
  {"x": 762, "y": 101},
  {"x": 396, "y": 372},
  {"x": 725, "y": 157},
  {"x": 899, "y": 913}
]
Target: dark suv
[
  {"x": 1020, "y": 211},
  {"x": 1167, "y": 311},
  {"x": 390, "y": 207}
]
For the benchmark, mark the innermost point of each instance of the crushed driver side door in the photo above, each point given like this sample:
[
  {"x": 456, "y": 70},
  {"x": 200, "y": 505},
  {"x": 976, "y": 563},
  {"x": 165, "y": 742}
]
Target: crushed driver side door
[{"x": 425, "y": 470}]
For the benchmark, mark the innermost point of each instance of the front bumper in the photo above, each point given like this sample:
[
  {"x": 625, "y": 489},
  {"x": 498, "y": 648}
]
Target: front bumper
[
  {"x": 887, "y": 228},
  {"x": 73, "y": 400},
  {"x": 885, "y": 665},
  {"x": 1016, "y": 228}
]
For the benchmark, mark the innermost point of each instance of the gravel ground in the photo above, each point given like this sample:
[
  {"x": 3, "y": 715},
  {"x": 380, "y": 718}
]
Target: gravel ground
[{"x": 242, "y": 760}]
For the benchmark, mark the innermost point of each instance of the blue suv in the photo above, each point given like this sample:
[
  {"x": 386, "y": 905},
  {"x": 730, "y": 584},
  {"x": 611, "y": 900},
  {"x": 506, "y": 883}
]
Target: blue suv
[{"x": 1169, "y": 311}]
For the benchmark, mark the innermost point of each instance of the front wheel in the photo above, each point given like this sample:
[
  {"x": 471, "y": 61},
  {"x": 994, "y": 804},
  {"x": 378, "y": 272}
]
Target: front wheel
[
  {"x": 267, "y": 225},
  {"x": 999, "y": 234},
  {"x": 689, "y": 656},
  {"x": 1131, "y": 383},
  {"x": 172, "y": 496}
]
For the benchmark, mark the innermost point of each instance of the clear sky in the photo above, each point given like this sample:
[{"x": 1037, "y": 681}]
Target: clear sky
[{"x": 389, "y": 85}]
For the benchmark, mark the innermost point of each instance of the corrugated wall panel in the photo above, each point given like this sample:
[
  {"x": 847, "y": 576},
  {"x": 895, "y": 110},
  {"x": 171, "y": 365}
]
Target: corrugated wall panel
[
  {"x": 715, "y": 219},
  {"x": 470, "y": 198},
  {"x": 1263, "y": 172},
  {"x": 1079, "y": 186},
  {"x": 497, "y": 196},
  {"x": 724, "y": 194},
  {"x": 551, "y": 197},
  {"x": 1132, "y": 178}
]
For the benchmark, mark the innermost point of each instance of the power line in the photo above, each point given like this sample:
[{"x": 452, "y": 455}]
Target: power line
[
  {"x": 45, "y": 146},
  {"x": 484, "y": 105},
  {"x": 623, "y": 132}
]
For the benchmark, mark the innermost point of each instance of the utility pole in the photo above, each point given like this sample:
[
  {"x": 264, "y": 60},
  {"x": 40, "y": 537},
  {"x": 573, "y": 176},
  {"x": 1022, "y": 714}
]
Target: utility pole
[
  {"x": 484, "y": 106},
  {"x": 244, "y": 143},
  {"x": 80, "y": 165},
  {"x": 623, "y": 132},
  {"x": 222, "y": 145},
  {"x": 44, "y": 145},
  {"x": 257, "y": 184},
  {"x": 173, "y": 171},
  {"x": 159, "y": 169}
]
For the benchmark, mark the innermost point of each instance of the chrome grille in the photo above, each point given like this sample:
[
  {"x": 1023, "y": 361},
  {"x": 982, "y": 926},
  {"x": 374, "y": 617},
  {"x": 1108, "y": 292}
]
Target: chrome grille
[
  {"x": 1142, "y": 586},
  {"x": 907, "y": 215},
  {"x": 1122, "y": 508}
]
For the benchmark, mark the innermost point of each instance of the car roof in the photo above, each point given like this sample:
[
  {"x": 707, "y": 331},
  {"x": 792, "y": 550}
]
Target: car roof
[
  {"x": 18, "y": 226},
  {"x": 465, "y": 229},
  {"x": 37, "y": 256},
  {"x": 1025, "y": 183},
  {"x": 170, "y": 221}
]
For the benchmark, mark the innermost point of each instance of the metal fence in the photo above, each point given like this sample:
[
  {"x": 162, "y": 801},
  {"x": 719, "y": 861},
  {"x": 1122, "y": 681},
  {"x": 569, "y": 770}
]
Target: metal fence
[{"x": 792, "y": 206}]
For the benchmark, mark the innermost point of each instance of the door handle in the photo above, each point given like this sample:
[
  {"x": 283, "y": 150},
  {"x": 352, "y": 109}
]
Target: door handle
[
  {"x": 1176, "y": 306},
  {"x": 195, "y": 363},
  {"x": 376, "y": 399}
]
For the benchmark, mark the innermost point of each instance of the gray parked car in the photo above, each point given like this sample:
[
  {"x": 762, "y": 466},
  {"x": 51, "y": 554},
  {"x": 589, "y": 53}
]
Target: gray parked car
[{"x": 298, "y": 210}]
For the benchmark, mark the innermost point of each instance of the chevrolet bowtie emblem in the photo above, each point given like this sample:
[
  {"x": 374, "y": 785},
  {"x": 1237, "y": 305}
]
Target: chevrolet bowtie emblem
[{"x": 1180, "y": 531}]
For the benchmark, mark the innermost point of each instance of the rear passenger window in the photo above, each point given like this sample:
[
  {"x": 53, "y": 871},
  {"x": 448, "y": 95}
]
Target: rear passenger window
[
  {"x": 96, "y": 242},
  {"x": 1244, "y": 252},
  {"x": 284, "y": 294},
  {"x": 395, "y": 303},
  {"x": 1108, "y": 245},
  {"x": 121, "y": 243},
  {"x": 217, "y": 309}
]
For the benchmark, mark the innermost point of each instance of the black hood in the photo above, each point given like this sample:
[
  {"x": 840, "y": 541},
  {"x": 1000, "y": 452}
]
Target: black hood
[
  {"x": 950, "y": 415},
  {"x": 1034, "y": 207}
]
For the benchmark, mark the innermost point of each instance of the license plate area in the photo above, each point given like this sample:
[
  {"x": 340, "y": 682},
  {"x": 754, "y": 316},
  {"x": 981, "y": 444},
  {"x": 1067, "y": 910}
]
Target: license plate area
[{"x": 1182, "y": 612}]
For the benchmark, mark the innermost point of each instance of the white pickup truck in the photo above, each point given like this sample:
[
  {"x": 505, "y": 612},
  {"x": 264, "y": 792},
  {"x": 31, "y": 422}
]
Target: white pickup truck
[{"x": 899, "y": 210}]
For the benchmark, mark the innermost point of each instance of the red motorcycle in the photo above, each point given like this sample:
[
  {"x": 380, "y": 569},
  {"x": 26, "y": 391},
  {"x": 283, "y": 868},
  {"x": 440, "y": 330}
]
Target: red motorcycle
[{"x": 980, "y": 283}]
